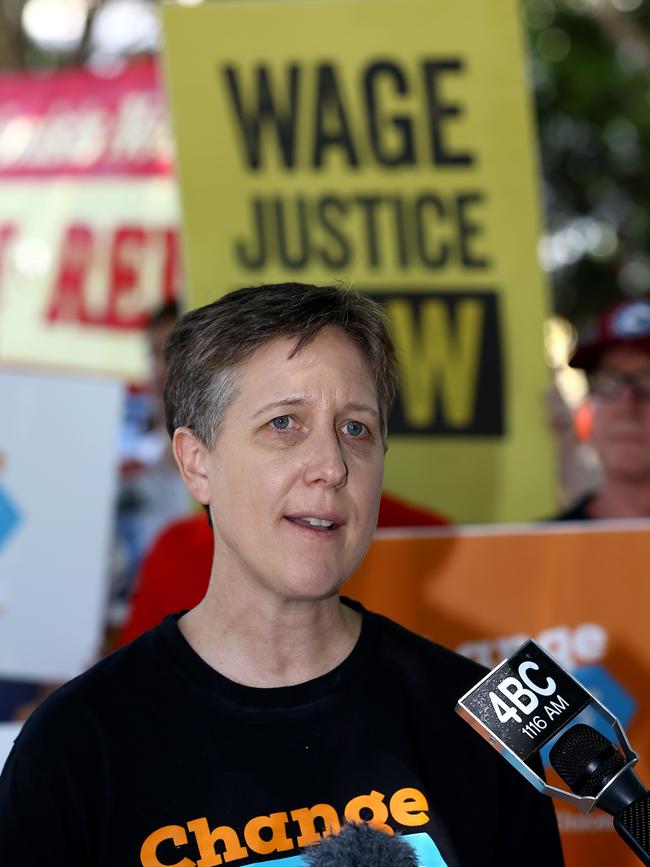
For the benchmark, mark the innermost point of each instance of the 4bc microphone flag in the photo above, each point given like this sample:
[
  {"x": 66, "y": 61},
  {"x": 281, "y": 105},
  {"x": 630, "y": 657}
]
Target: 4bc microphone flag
[
  {"x": 523, "y": 703},
  {"x": 529, "y": 701}
]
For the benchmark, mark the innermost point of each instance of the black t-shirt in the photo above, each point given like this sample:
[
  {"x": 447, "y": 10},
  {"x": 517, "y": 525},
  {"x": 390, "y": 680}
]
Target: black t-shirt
[{"x": 153, "y": 759}]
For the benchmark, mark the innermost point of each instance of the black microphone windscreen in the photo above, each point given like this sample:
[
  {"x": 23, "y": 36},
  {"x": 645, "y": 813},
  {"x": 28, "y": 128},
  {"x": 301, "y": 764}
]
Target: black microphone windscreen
[
  {"x": 585, "y": 759},
  {"x": 361, "y": 845}
]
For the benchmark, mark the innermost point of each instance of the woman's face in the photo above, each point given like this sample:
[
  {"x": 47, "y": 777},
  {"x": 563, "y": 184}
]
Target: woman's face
[{"x": 295, "y": 474}]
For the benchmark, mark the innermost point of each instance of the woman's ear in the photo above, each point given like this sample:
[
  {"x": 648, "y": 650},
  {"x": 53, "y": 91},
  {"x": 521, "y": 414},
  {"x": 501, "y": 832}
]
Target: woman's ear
[{"x": 192, "y": 456}]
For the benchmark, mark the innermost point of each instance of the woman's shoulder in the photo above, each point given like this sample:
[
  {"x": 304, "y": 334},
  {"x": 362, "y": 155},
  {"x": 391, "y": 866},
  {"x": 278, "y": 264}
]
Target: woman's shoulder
[{"x": 419, "y": 656}]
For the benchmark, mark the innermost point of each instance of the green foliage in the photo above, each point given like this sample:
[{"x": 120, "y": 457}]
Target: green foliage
[{"x": 590, "y": 69}]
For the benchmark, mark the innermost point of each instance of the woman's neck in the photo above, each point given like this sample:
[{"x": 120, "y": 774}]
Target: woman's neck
[{"x": 272, "y": 642}]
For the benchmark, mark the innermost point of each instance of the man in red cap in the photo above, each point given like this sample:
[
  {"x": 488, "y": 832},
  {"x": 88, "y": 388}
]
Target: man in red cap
[{"x": 616, "y": 359}]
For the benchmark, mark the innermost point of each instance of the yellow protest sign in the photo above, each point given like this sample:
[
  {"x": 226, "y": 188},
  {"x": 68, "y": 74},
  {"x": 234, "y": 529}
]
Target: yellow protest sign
[{"x": 386, "y": 144}]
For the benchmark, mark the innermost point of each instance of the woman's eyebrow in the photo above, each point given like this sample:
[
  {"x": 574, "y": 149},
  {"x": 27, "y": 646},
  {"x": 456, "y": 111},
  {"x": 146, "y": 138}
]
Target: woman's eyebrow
[
  {"x": 361, "y": 407},
  {"x": 301, "y": 401},
  {"x": 280, "y": 404}
]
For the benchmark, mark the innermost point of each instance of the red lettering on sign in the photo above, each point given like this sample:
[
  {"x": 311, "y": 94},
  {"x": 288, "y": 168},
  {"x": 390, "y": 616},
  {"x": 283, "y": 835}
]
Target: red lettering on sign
[
  {"x": 68, "y": 302},
  {"x": 171, "y": 271},
  {"x": 128, "y": 251},
  {"x": 114, "y": 280}
]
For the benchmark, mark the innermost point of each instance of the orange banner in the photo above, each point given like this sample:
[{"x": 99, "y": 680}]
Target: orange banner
[{"x": 584, "y": 595}]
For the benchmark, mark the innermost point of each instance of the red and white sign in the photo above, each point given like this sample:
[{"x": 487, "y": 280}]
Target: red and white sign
[
  {"x": 89, "y": 241},
  {"x": 74, "y": 122}
]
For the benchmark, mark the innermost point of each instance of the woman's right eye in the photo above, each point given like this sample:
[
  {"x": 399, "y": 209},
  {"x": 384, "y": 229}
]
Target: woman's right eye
[{"x": 282, "y": 422}]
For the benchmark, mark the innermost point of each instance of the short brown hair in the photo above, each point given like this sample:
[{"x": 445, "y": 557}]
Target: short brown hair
[{"x": 206, "y": 346}]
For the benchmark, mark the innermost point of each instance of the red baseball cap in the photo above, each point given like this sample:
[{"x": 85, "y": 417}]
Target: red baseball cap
[{"x": 625, "y": 324}]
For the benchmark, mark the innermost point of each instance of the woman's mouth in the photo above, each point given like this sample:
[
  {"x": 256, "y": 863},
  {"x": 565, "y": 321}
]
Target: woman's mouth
[{"x": 313, "y": 522}]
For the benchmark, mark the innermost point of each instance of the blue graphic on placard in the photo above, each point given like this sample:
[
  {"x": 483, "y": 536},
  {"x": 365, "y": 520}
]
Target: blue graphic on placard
[
  {"x": 609, "y": 693},
  {"x": 426, "y": 851},
  {"x": 9, "y": 517}
]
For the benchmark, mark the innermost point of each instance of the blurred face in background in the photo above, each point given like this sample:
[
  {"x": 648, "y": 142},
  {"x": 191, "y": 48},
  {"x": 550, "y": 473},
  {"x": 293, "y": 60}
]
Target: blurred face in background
[{"x": 620, "y": 387}]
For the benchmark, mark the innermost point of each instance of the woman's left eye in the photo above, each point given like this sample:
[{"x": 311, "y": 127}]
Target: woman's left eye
[
  {"x": 282, "y": 422},
  {"x": 355, "y": 428}
]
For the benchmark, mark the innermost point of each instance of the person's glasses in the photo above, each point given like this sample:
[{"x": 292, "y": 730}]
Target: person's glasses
[{"x": 609, "y": 384}]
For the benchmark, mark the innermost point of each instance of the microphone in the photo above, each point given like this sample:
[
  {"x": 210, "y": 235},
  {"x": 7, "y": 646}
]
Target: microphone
[
  {"x": 592, "y": 765},
  {"x": 360, "y": 845},
  {"x": 529, "y": 701}
]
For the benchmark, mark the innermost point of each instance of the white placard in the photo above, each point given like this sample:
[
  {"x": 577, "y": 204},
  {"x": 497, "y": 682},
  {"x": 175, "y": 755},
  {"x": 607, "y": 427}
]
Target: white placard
[{"x": 58, "y": 474}]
